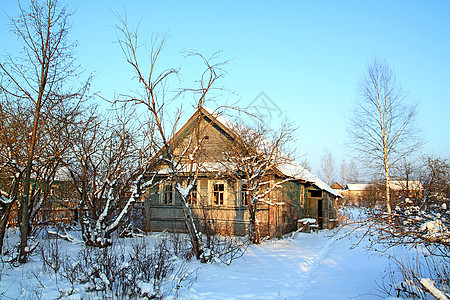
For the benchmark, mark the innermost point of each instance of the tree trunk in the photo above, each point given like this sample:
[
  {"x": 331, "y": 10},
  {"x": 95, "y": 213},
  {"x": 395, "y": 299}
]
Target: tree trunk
[
  {"x": 388, "y": 180},
  {"x": 192, "y": 230},
  {"x": 25, "y": 220},
  {"x": 3, "y": 223},
  {"x": 253, "y": 230}
]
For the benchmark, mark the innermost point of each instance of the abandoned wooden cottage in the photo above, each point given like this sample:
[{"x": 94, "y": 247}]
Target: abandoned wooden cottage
[{"x": 217, "y": 198}]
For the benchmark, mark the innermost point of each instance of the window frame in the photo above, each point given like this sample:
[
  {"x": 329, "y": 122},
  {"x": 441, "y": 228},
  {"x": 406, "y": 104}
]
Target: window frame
[
  {"x": 212, "y": 184},
  {"x": 163, "y": 192},
  {"x": 192, "y": 192},
  {"x": 242, "y": 195}
]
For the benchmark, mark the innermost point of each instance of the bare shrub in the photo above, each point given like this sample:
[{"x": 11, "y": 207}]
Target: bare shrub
[
  {"x": 416, "y": 276},
  {"x": 179, "y": 244},
  {"x": 143, "y": 271},
  {"x": 425, "y": 272},
  {"x": 224, "y": 249},
  {"x": 50, "y": 254},
  {"x": 218, "y": 248}
]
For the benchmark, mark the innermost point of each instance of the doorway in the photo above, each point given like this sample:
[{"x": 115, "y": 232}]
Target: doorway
[{"x": 320, "y": 213}]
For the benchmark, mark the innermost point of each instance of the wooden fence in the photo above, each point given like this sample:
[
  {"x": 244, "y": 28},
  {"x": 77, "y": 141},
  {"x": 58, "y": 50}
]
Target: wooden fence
[{"x": 46, "y": 216}]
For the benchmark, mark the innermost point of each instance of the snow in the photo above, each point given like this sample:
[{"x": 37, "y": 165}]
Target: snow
[
  {"x": 299, "y": 266},
  {"x": 184, "y": 192},
  {"x": 309, "y": 266},
  {"x": 307, "y": 221},
  {"x": 434, "y": 226},
  {"x": 358, "y": 186},
  {"x": 6, "y": 200},
  {"x": 297, "y": 171},
  {"x": 428, "y": 284}
]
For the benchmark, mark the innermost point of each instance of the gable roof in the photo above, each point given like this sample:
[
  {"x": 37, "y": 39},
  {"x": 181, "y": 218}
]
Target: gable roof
[
  {"x": 291, "y": 169},
  {"x": 337, "y": 186}
]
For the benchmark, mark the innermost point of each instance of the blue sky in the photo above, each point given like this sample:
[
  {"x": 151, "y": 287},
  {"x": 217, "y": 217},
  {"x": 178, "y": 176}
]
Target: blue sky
[{"x": 306, "y": 56}]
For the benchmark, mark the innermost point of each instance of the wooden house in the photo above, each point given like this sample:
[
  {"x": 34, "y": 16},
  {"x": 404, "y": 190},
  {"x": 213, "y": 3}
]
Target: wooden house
[
  {"x": 361, "y": 194},
  {"x": 217, "y": 200}
]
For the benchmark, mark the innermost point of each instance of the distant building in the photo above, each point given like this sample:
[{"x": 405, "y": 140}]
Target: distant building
[
  {"x": 369, "y": 194},
  {"x": 337, "y": 187}
]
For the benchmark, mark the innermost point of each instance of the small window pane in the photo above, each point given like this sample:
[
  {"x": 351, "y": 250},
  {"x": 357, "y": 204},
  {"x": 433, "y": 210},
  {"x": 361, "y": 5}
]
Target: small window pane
[
  {"x": 218, "y": 194},
  {"x": 192, "y": 199}
]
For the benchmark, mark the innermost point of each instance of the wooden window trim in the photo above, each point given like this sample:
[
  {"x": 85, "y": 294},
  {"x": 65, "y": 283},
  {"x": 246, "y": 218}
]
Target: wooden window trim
[
  {"x": 164, "y": 192},
  {"x": 243, "y": 187},
  {"x": 212, "y": 184}
]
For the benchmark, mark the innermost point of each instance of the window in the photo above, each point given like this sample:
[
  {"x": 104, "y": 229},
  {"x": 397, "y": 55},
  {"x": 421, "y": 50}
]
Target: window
[
  {"x": 315, "y": 194},
  {"x": 244, "y": 189},
  {"x": 218, "y": 193},
  {"x": 167, "y": 196},
  {"x": 192, "y": 199}
]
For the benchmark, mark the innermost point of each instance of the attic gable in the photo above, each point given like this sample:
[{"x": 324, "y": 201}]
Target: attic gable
[{"x": 211, "y": 130}]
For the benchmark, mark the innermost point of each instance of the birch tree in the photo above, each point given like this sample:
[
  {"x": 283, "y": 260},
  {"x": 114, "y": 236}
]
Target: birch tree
[
  {"x": 306, "y": 164},
  {"x": 44, "y": 79},
  {"x": 382, "y": 128}
]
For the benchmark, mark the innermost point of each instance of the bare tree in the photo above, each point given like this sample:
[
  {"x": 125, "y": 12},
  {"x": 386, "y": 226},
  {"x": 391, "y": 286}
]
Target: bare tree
[
  {"x": 255, "y": 158},
  {"x": 419, "y": 224},
  {"x": 153, "y": 99},
  {"x": 353, "y": 173},
  {"x": 327, "y": 167},
  {"x": 306, "y": 164},
  {"x": 343, "y": 173},
  {"x": 108, "y": 161},
  {"x": 42, "y": 79},
  {"x": 435, "y": 177},
  {"x": 12, "y": 144},
  {"x": 406, "y": 171},
  {"x": 382, "y": 123}
]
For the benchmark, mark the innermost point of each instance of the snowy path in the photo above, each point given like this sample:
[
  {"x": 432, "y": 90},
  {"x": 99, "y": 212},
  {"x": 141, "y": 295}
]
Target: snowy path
[{"x": 311, "y": 266}]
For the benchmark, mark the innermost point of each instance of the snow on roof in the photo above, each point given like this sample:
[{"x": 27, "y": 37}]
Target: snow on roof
[
  {"x": 219, "y": 117},
  {"x": 297, "y": 171},
  {"x": 358, "y": 186},
  {"x": 401, "y": 185},
  {"x": 292, "y": 169},
  {"x": 394, "y": 185}
]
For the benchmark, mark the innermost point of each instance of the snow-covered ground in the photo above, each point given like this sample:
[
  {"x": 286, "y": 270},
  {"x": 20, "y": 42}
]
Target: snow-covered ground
[
  {"x": 307, "y": 266},
  {"x": 301, "y": 266}
]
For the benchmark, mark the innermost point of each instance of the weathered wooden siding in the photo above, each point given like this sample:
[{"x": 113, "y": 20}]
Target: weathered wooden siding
[{"x": 231, "y": 218}]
